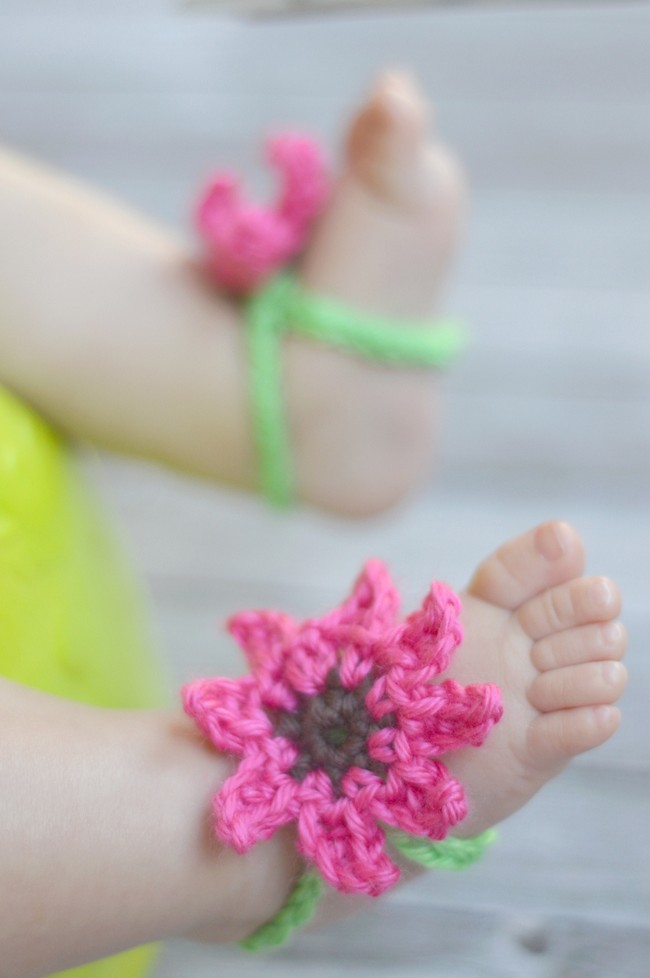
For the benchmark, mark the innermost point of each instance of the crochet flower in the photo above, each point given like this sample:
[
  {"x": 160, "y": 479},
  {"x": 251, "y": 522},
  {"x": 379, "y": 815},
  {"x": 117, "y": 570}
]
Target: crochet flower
[
  {"x": 340, "y": 728},
  {"x": 245, "y": 243}
]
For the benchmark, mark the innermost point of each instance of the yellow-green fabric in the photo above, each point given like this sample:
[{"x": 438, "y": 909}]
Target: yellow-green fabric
[{"x": 71, "y": 623}]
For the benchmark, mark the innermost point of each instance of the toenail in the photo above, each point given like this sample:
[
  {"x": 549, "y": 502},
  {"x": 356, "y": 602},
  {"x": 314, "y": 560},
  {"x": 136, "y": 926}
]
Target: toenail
[
  {"x": 612, "y": 673},
  {"x": 604, "y": 715},
  {"x": 611, "y": 634},
  {"x": 552, "y": 540},
  {"x": 602, "y": 593}
]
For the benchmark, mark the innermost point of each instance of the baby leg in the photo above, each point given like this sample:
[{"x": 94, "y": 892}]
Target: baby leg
[{"x": 109, "y": 331}]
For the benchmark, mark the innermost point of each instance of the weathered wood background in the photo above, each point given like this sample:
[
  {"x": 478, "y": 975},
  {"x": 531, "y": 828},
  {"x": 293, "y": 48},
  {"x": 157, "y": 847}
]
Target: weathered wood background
[{"x": 548, "y": 414}]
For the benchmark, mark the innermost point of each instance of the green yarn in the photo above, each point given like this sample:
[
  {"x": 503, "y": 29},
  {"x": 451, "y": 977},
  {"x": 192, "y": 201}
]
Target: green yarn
[
  {"x": 448, "y": 853},
  {"x": 297, "y": 911},
  {"x": 283, "y": 307},
  {"x": 266, "y": 323}
]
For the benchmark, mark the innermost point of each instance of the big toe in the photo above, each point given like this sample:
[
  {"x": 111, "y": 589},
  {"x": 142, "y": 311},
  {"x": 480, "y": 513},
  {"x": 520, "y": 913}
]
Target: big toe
[
  {"x": 542, "y": 558},
  {"x": 386, "y": 240},
  {"x": 393, "y": 153},
  {"x": 388, "y": 132}
]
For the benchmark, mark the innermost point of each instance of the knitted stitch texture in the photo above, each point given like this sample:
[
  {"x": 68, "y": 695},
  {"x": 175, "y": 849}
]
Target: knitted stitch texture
[
  {"x": 246, "y": 243},
  {"x": 340, "y": 729}
]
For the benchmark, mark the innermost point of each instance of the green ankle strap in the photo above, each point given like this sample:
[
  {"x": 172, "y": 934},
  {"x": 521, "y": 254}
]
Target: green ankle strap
[
  {"x": 450, "y": 853},
  {"x": 282, "y": 306}
]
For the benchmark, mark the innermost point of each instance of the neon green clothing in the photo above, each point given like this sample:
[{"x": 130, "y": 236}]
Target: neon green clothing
[{"x": 70, "y": 619}]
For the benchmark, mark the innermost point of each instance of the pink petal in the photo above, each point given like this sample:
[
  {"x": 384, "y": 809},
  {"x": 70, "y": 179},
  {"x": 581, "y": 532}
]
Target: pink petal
[
  {"x": 306, "y": 184},
  {"x": 259, "y": 798},
  {"x": 311, "y": 657},
  {"x": 341, "y": 837},
  {"x": 267, "y": 638},
  {"x": 219, "y": 197},
  {"x": 357, "y": 652},
  {"x": 285, "y": 657},
  {"x": 429, "y": 636},
  {"x": 374, "y": 602},
  {"x": 450, "y": 716},
  {"x": 384, "y": 746},
  {"x": 358, "y": 628},
  {"x": 432, "y": 719},
  {"x": 379, "y": 702},
  {"x": 420, "y": 797},
  {"x": 228, "y": 711}
]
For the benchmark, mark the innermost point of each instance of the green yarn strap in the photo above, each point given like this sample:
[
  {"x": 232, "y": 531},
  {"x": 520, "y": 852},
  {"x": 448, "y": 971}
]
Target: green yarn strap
[
  {"x": 375, "y": 337},
  {"x": 282, "y": 306},
  {"x": 265, "y": 327},
  {"x": 298, "y": 910},
  {"x": 448, "y": 853}
]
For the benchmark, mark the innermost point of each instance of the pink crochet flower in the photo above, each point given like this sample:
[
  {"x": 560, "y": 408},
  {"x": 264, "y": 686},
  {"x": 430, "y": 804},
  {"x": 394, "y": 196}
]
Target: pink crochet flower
[
  {"x": 245, "y": 243},
  {"x": 340, "y": 728}
]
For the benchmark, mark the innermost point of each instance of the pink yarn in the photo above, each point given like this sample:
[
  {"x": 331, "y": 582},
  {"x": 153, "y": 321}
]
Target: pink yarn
[
  {"x": 340, "y": 729},
  {"x": 246, "y": 243}
]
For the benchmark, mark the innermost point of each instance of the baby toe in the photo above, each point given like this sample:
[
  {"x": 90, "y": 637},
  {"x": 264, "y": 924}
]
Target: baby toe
[
  {"x": 588, "y": 684},
  {"x": 553, "y": 738},
  {"x": 578, "y": 602},
  {"x": 588, "y": 643},
  {"x": 546, "y": 556}
]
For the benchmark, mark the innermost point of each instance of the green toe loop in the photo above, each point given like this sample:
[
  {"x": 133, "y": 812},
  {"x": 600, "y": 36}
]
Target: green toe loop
[{"x": 282, "y": 306}]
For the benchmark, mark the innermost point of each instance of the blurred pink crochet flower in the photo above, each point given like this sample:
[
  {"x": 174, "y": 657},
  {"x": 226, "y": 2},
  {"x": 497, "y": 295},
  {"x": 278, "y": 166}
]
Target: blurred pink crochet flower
[
  {"x": 246, "y": 243},
  {"x": 339, "y": 728}
]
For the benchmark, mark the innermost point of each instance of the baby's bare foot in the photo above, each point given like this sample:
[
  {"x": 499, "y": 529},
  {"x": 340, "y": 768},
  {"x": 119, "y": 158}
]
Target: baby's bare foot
[
  {"x": 383, "y": 247},
  {"x": 548, "y": 637}
]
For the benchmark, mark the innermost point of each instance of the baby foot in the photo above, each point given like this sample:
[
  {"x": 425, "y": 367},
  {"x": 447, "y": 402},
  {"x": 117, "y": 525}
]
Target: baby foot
[
  {"x": 547, "y": 636},
  {"x": 382, "y": 247}
]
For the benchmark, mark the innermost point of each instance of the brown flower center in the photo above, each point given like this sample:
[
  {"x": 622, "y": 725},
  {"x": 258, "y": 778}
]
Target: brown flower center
[{"x": 331, "y": 731}]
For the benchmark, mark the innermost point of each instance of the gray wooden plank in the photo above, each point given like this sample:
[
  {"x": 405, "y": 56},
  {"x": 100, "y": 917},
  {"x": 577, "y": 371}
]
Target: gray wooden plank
[
  {"x": 578, "y": 146},
  {"x": 597, "y": 54},
  {"x": 445, "y": 944}
]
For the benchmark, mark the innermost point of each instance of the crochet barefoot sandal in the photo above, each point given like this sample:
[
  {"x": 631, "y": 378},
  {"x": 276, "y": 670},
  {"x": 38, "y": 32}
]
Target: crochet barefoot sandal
[
  {"x": 340, "y": 729},
  {"x": 246, "y": 246}
]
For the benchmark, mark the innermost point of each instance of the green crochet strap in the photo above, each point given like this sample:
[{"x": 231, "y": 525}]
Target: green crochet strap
[
  {"x": 375, "y": 337},
  {"x": 282, "y": 307},
  {"x": 299, "y": 909},
  {"x": 449, "y": 853}
]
